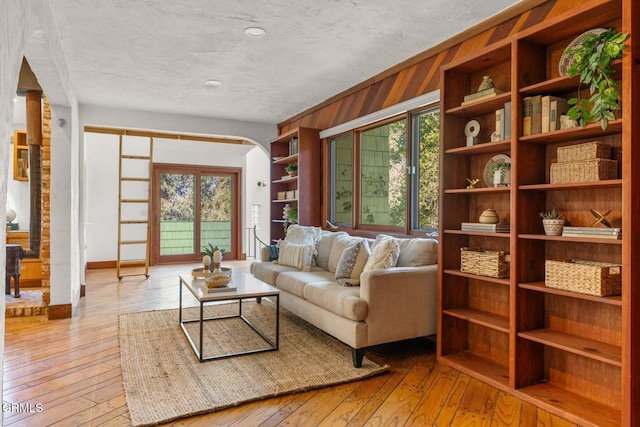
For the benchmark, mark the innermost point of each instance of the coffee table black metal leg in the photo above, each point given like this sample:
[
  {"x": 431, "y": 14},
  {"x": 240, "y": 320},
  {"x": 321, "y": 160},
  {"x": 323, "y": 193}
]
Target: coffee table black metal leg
[{"x": 201, "y": 356}]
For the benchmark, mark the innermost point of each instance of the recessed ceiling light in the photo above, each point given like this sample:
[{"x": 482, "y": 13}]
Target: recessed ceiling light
[
  {"x": 213, "y": 83},
  {"x": 255, "y": 31}
]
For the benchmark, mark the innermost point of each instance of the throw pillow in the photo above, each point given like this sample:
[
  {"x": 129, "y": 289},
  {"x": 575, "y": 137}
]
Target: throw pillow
[
  {"x": 352, "y": 263},
  {"x": 339, "y": 245},
  {"x": 303, "y": 234},
  {"x": 415, "y": 252},
  {"x": 384, "y": 254},
  {"x": 296, "y": 255}
]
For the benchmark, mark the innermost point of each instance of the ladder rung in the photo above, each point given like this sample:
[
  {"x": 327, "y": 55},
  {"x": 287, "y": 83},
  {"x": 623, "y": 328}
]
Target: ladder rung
[
  {"x": 133, "y": 242},
  {"x": 134, "y": 201},
  {"x": 134, "y": 179},
  {"x": 132, "y": 157},
  {"x": 133, "y": 262},
  {"x": 138, "y": 221}
]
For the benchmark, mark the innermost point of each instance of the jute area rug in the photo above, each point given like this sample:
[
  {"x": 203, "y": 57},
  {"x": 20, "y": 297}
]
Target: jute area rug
[{"x": 164, "y": 381}]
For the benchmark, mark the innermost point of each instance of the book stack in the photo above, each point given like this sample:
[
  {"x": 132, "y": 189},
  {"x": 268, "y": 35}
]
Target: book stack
[
  {"x": 293, "y": 146},
  {"x": 503, "y": 122},
  {"x": 485, "y": 228},
  {"x": 541, "y": 114},
  {"x": 480, "y": 95},
  {"x": 592, "y": 232}
]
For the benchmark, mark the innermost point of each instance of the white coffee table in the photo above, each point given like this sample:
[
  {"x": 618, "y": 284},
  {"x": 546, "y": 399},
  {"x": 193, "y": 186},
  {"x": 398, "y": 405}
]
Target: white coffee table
[{"x": 247, "y": 287}]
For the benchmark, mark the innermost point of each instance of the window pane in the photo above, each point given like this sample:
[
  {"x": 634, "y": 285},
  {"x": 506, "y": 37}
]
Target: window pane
[
  {"x": 342, "y": 179},
  {"x": 383, "y": 175},
  {"x": 427, "y": 135}
]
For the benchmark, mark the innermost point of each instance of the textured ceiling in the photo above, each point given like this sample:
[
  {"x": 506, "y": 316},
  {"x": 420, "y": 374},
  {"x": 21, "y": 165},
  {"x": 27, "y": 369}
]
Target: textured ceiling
[{"x": 155, "y": 55}]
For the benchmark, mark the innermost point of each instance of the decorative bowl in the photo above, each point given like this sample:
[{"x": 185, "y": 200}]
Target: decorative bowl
[{"x": 219, "y": 279}]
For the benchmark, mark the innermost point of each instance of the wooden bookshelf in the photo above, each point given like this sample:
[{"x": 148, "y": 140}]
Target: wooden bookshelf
[
  {"x": 300, "y": 146},
  {"x": 560, "y": 350}
]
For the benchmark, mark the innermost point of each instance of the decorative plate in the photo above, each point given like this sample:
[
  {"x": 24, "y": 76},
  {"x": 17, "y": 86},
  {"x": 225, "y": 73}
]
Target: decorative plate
[
  {"x": 486, "y": 175},
  {"x": 566, "y": 60}
]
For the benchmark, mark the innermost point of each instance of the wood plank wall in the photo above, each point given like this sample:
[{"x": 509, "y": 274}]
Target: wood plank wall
[{"x": 420, "y": 74}]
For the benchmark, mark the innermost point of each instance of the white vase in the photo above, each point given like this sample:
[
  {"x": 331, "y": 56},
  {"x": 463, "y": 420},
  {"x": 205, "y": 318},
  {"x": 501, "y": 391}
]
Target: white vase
[
  {"x": 502, "y": 178},
  {"x": 553, "y": 227}
]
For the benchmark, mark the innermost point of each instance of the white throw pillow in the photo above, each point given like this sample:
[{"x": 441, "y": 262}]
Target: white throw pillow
[
  {"x": 296, "y": 255},
  {"x": 352, "y": 263},
  {"x": 415, "y": 252},
  {"x": 339, "y": 245},
  {"x": 303, "y": 234},
  {"x": 384, "y": 254},
  {"x": 324, "y": 246}
]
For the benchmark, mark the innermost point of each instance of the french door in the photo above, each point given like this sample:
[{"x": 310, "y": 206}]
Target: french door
[{"x": 194, "y": 206}]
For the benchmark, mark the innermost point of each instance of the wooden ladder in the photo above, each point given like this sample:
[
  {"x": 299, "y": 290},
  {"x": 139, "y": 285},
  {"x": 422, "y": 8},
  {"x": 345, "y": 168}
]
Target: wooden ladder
[{"x": 128, "y": 220}]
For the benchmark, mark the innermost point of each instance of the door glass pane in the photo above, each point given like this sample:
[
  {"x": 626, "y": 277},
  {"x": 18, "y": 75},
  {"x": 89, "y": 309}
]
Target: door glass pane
[
  {"x": 384, "y": 175},
  {"x": 177, "y": 214},
  {"x": 341, "y": 179},
  {"x": 216, "y": 210}
]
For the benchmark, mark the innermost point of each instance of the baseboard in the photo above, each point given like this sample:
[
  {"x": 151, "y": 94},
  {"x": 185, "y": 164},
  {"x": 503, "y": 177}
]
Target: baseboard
[{"x": 62, "y": 311}]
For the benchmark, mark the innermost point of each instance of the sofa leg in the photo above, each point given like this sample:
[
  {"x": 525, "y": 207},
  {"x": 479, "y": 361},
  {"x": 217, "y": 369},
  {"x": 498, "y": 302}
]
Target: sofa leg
[
  {"x": 259, "y": 300},
  {"x": 357, "y": 354}
]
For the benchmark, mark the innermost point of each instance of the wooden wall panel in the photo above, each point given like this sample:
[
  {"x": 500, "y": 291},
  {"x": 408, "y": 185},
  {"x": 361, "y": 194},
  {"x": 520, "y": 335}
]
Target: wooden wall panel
[{"x": 419, "y": 75}]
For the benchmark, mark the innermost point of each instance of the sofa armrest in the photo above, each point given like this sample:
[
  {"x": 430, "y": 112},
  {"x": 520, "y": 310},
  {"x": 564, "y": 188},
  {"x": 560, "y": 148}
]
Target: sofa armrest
[{"x": 402, "y": 302}]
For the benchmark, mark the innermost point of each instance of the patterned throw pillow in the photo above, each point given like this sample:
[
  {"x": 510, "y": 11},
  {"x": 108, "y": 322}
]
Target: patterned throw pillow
[
  {"x": 384, "y": 254},
  {"x": 296, "y": 255},
  {"x": 352, "y": 263}
]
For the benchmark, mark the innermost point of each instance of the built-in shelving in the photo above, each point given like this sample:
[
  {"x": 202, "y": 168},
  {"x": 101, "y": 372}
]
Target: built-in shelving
[{"x": 561, "y": 350}]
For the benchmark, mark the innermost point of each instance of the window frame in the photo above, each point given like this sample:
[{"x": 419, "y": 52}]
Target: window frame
[{"x": 358, "y": 226}]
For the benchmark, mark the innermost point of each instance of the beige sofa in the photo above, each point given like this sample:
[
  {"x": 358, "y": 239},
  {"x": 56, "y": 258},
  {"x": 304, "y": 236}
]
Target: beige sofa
[{"x": 388, "y": 304}]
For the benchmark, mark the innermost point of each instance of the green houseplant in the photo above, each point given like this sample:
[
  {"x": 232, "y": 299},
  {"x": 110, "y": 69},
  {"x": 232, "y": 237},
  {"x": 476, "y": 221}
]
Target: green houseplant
[
  {"x": 591, "y": 60},
  {"x": 291, "y": 169},
  {"x": 552, "y": 222},
  {"x": 501, "y": 173}
]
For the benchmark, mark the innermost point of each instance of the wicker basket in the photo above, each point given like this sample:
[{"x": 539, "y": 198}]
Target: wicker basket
[
  {"x": 592, "y": 170},
  {"x": 584, "y": 277},
  {"x": 219, "y": 279},
  {"x": 484, "y": 263},
  {"x": 582, "y": 152}
]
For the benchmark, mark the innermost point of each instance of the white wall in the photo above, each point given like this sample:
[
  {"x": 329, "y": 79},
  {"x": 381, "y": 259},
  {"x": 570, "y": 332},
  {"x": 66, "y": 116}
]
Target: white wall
[
  {"x": 101, "y": 171},
  {"x": 257, "y": 170}
]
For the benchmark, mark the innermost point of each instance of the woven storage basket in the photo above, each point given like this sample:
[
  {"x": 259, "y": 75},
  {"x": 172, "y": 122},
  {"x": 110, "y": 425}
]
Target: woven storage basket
[
  {"x": 484, "y": 263},
  {"x": 592, "y": 170},
  {"x": 581, "y": 152},
  {"x": 584, "y": 277}
]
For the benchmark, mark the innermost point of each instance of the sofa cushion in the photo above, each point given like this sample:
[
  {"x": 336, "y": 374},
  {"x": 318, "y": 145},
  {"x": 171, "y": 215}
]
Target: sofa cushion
[
  {"x": 343, "y": 301},
  {"x": 301, "y": 234},
  {"x": 269, "y": 271},
  {"x": 324, "y": 246},
  {"x": 352, "y": 263},
  {"x": 339, "y": 245},
  {"x": 296, "y": 255},
  {"x": 384, "y": 253},
  {"x": 416, "y": 252},
  {"x": 295, "y": 281}
]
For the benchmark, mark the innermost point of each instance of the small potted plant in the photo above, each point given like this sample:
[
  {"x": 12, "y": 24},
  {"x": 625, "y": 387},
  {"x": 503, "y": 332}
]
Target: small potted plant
[
  {"x": 291, "y": 169},
  {"x": 553, "y": 222},
  {"x": 501, "y": 174}
]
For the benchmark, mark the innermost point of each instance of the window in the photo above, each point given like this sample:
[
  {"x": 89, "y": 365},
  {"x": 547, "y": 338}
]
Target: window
[
  {"x": 426, "y": 137},
  {"x": 385, "y": 176},
  {"x": 341, "y": 180}
]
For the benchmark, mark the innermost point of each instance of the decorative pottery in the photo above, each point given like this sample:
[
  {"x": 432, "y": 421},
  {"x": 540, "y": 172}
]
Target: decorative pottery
[
  {"x": 553, "y": 227},
  {"x": 502, "y": 178},
  {"x": 489, "y": 216}
]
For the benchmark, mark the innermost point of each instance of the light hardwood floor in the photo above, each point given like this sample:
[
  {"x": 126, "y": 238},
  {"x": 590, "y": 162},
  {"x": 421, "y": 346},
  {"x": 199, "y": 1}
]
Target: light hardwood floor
[{"x": 70, "y": 369}]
